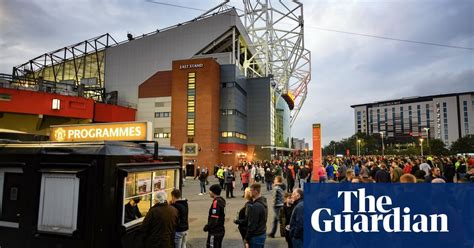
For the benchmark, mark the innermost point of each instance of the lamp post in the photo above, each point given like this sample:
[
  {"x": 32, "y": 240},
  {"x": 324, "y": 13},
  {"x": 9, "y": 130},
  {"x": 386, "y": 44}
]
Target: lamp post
[
  {"x": 427, "y": 129},
  {"x": 358, "y": 147},
  {"x": 383, "y": 145},
  {"x": 421, "y": 146}
]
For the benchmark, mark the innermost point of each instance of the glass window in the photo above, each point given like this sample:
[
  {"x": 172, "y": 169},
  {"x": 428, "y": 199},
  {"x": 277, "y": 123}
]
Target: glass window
[
  {"x": 191, "y": 103},
  {"x": 140, "y": 189},
  {"x": 190, "y": 133},
  {"x": 191, "y": 109},
  {"x": 59, "y": 199},
  {"x": 191, "y": 86},
  {"x": 191, "y": 74}
]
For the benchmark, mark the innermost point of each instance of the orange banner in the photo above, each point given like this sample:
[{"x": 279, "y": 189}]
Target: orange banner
[
  {"x": 317, "y": 156},
  {"x": 118, "y": 131}
]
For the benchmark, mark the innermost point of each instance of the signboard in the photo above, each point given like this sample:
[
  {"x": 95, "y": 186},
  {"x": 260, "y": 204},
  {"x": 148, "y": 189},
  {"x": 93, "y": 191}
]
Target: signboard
[
  {"x": 316, "y": 151},
  {"x": 388, "y": 215},
  {"x": 191, "y": 66},
  {"x": 190, "y": 149},
  {"x": 118, "y": 131}
]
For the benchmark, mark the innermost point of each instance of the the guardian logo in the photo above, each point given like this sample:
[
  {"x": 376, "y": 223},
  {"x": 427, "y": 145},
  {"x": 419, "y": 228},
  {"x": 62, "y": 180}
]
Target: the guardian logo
[{"x": 375, "y": 215}]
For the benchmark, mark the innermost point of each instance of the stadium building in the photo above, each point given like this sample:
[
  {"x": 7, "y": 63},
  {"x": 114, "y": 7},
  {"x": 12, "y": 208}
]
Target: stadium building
[
  {"x": 447, "y": 117},
  {"x": 212, "y": 87}
]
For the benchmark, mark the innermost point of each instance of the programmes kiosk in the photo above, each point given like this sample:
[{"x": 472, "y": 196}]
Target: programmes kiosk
[{"x": 75, "y": 194}]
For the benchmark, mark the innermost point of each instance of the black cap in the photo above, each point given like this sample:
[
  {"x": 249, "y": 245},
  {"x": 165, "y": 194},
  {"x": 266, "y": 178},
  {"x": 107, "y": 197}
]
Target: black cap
[{"x": 216, "y": 189}]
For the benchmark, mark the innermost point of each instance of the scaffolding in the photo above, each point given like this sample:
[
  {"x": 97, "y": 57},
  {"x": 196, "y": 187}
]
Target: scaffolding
[{"x": 277, "y": 34}]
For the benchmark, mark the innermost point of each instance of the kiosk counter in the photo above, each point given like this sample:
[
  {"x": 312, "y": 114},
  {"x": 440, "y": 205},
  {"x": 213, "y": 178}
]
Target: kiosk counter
[{"x": 92, "y": 194}]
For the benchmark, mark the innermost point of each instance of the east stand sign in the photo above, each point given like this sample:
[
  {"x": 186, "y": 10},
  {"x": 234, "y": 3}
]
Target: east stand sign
[
  {"x": 388, "y": 215},
  {"x": 117, "y": 131}
]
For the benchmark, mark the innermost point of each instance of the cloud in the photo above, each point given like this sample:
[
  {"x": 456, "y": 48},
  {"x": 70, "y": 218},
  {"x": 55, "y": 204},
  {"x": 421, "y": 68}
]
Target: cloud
[{"x": 347, "y": 69}]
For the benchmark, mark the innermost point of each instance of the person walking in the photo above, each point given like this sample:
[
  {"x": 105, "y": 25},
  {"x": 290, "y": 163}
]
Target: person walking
[
  {"x": 285, "y": 217},
  {"x": 269, "y": 179},
  {"x": 244, "y": 177},
  {"x": 220, "y": 176},
  {"x": 242, "y": 218},
  {"x": 253, "y": 174},
  {"x": 215, "y": 221},
  {"x": 297, "y": 219},
  {"x": 202, "y": 181},
  {"x": 257, "y": 219},
  {"x": 303, "y": 174},
  {"x": 229, "y": 182},
  {"x": 182, "y": 226},
  {"x": 290, "y": 178},
  {"x": 278, "y": 202},
  {"x": 159, "y": 225},
  {"x": 198, "y": 172}
]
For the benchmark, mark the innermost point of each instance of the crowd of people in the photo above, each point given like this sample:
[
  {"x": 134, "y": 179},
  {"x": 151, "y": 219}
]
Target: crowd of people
[
  {"x": 166, "y": 225},
  {"x": 394, "y": 169}
]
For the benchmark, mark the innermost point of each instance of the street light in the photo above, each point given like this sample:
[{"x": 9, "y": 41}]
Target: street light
[
  {"x": 421, "y": 145},
  {"x": 358, "y": 147},
  {"x": 427, "y": 129},
  {"x": 383, "y": 145}
]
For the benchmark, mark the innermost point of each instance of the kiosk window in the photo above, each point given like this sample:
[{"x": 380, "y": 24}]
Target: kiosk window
[
  {"x": 140, "y": 191},
  {"x": 59, "y": 200},
  {"x": 10, "y": 195}
]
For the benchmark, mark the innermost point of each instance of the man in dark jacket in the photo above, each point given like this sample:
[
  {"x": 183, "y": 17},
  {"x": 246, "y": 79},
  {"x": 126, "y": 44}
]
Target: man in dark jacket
[
  {"x": 159, "y": 225},
  {"x": 297, "y": 219},
  {"x": 131, "y": 210},
  {"x": 215, "y": 220},
  {"x": 182, "y": 227},
  {"x": 435, "y": 173},
  {"x": 383, "y": 176},
  {"x": 278, "y": 202},
  {"x": 257, "y": 219}
]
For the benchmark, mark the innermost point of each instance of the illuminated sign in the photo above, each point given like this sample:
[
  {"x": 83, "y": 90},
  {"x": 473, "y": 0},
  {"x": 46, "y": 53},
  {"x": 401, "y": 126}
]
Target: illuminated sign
[
  {"x": 119, "y": 131},
  {"x": 190, "y": 66}
]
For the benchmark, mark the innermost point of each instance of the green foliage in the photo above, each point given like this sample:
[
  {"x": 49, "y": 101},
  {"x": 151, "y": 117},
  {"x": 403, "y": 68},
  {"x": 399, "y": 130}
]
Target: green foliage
[
  {"x": 463, "y": 145},
  {"x": 372, "y": 145}
]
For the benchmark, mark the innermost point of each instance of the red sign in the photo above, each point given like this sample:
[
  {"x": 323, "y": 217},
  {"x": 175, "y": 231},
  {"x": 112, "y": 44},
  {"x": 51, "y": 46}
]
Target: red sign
[{"x": 317, "y": 155}]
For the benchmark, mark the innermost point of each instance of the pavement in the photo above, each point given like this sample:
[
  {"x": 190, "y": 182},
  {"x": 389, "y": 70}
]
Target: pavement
[{"x": 199, "y": 209}]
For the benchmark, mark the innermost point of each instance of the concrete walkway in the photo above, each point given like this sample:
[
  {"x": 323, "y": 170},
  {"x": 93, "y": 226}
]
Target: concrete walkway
[{"x": 199, "y": 208}]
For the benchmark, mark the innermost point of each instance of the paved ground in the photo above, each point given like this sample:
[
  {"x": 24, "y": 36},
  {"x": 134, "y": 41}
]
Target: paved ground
[{"x": 198, "y": 211}]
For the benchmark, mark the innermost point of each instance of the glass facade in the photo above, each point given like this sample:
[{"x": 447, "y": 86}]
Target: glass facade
[
  {"x": 359, "y": 121},
  {"x": 445, "y": 121},
  {"x": 191, "y": 104},
  {"x": 282, "y": 123},
  {"x": 466, "y": 118},
  {"x": 410, "y": 119}
]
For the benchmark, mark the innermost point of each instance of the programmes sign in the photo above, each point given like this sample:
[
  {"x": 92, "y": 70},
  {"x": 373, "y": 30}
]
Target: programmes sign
[
  {"x": 389, "y": 215},
  {"x": 119, "y": 131}
]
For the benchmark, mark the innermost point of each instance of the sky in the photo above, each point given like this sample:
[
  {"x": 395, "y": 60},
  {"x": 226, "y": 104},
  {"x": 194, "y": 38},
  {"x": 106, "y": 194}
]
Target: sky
[{"x": 346, "y": 69}]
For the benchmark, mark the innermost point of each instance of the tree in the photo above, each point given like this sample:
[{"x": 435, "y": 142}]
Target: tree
[
  {"x": 463, "y": 145},
  {"x": 437, "y": 147}
]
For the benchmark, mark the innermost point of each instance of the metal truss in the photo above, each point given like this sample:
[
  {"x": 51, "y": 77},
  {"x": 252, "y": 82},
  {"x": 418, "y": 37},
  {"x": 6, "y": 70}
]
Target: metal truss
[
  {"x": 277, "y": 35},
  {"x": 82, "y": 61}
]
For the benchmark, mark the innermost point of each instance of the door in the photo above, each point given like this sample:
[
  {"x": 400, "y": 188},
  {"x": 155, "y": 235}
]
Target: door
[
  {"x": 11, "y": 209},
  {"x": 190, "y": 170}
]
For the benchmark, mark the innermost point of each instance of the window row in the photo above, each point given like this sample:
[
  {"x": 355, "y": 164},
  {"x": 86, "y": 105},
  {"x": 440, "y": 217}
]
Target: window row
[
  {"x": 226, "y": 112},
  {"x": 162, "y": 114},
  {"x": 191, "y": 104},
  {"x": 162, "y": 135},
  {"x": 233, "y": 135}
]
